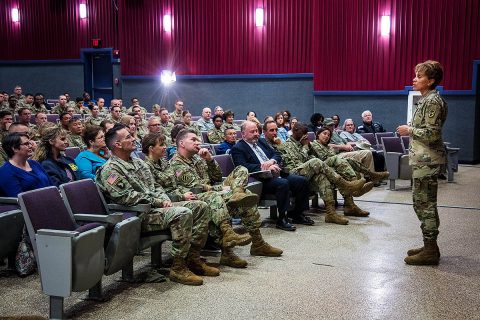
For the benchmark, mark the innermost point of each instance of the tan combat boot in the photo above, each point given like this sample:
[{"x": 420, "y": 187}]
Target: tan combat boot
[
  {"x": 230, "y": 259},
  {"x": 181, "y": 274},
  {"x": 198, "y": 266},
  {"x": 430, "y": 255},
  {"x": 241, "y": 199},
  {"x": 331, "y": 216},
  {"x": 351, "y": 209},
  {"x": 230, "y": 238},
  {"x": 261, "y": 248},
  {"x": 415, "y": 251},
  {"x": 378, "y": 176},
  {"x": 366, "y": 188},
  {"x": 348, "y": 187}
]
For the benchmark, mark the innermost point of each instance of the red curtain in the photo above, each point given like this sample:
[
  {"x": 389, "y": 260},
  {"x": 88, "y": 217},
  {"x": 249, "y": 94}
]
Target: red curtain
[
  {"x": 52, "y": 29},
  {"x": 350, "y": 54},
  {"x": 215, "y": 37}
]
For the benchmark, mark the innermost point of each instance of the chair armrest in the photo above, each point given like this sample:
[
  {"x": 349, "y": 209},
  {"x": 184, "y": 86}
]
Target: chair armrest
[
  {"x": 139, "y": 207},
  {"x": 263, "y": 174},
  {"x": 111, "y": 219},
  {"x": 57, "y": 233},
  {"x": 9, "y": 200}
]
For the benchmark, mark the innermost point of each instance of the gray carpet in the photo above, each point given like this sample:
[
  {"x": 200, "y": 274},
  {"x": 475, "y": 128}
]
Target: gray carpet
[{"x": 327, "y": 271}]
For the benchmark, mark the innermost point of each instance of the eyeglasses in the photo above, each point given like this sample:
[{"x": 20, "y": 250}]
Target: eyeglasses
[{"x": 154, "y": 125}]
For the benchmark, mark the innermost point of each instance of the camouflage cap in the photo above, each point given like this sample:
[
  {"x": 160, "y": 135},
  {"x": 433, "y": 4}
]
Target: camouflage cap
[{"x": 328, "y": 122}]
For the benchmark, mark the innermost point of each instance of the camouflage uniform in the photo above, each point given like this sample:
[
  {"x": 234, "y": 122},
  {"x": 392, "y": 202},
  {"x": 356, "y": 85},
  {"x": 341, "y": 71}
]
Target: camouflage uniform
[
  {"x": 4, "y": 105},
  {"x": 216, "y": 135},
  {"x": 23, "y": 104},
  {"x": 174, "y": 116},
  {"x": 207, "y": 176},
  {"x": 167, "y": 130},
  {"x": 59, "y": 109},
  {"x": 3, "y": 156},
  {"x": 342, "y": 166},
  {"x": 94, "y": 121},
  {"x": 75, "y": 140},
  {"x": 427, "y": 154},
  {"x": 299, "y": 160},
  {"x": 234, "y": 126},
  {"x": 3, "y": 133},
  {"x": 37, "y": 109},
  {"x": 142, "y": 130},
  {"x": 130, "y": 109},
  {"x": 194, "y": 128},
  {"x": 365, "y": 157},
  {"x": 130, "y": 183}
]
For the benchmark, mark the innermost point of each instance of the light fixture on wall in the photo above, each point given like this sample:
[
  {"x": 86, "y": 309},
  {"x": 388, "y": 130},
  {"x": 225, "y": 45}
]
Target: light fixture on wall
[
  {"x": 259, "y": 17},
  {"x": 167, "y": 23},
  {"x": 385, "y": 26},
  {"x": 15, "y": 15},
  {"x": 83, "y": 10},
  {"x": 167, "y": 77}
]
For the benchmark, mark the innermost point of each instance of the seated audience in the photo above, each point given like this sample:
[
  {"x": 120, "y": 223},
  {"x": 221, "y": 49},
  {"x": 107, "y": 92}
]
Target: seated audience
[
  {"x": 96, "y": 154},
  {"x": 230, "y": 137},
  {"x": 130, "y": 124},
  {"x": 75, "y": 128},
  {"x": 336, "y": 122},
  {"x": 316, "y": 122},
  {"x": 216, "y": 134},
  {"x": 106, "y": 125},
  {"x": 293, "y": 122},
  {"x": 287, "y": 116},
  {"x": 187, "y": 121},
  {"x": 64, "y": 120},
  {"x": 205, "y": 123},
  {"x": 218, "y": 111},
  {"x": 369, "y": 126},
  {"x": 281, "y": 132},
  {"x": 252, "y": 116},
  {"x": 172, "y": 149},
  {"x": 350, "y": 135},
  {"x": 95, "y": 118},
  {"x": 19, "y": 174},
  {"x": 60, "y": 168},
  {"x": 228, "y": 118}
]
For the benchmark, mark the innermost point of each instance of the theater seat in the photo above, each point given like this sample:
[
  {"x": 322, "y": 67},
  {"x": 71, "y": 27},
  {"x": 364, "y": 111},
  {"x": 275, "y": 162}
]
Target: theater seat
[
  {"x": 396, "y": 160},
  {"x": 70, "y": 258},
  {"x": 11, "y": 225}
]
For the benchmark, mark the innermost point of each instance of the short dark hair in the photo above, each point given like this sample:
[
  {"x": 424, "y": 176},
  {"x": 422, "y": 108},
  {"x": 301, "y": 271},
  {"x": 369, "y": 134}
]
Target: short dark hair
[
  {"x": 63, "y": 114},
  {"x": 111, "y": 135},
  {"x": 78, "y": 99},
  {"x": 267, "y": 123},
  {"x": 300, "y": 126},
  {"x": 103, "y": 124},
  {"x": 20, "y": 111},
  {"x": 5, "y": 113},
  {"x": 150, "y": 140},
  {"x": 185, "y": 112},
  {"x": 12, "y": 141},
  {"x": 216, "y": 117},
  {"x": 182, "y": 134},
  {"x": 176, "y": 129},
  {"x": 90, "y": 134},
  {"x": 316, "y": 117}
]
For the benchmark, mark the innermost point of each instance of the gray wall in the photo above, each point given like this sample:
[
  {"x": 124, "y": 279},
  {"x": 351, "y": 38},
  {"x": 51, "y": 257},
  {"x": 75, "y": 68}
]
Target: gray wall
[
  {"x": 392, "y": 111},
  {"x": 264, "y": 96},
  {"x": 49, "y": 79}
]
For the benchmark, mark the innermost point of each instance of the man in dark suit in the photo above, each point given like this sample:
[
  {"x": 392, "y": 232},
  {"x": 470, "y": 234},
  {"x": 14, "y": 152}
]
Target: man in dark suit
[{"x": 256, "y": 155}]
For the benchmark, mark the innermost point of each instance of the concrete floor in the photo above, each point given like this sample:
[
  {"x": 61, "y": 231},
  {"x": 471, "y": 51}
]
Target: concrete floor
[{"x": 327, "y": 271}]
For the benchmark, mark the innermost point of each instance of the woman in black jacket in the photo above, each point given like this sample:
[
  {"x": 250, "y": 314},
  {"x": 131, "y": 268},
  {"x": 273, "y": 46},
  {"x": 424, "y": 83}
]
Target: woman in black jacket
[{"x": 60, "y": 168}]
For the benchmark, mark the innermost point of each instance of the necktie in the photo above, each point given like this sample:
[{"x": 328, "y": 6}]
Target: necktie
[{"x": 260, "y": 152}]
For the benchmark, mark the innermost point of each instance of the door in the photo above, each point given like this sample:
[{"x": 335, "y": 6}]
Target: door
[{"x": 98, "y": 71}]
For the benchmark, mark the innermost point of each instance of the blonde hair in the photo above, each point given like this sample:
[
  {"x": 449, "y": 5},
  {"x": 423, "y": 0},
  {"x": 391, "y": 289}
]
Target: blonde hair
[{"x": 44, "y": 149}]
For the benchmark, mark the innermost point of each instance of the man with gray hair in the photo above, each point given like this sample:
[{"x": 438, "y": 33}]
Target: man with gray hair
[{"x": 368, "y": 125}]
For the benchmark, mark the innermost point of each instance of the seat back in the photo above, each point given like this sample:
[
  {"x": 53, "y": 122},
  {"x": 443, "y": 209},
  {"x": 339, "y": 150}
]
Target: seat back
[
  {"x": 392, "y": 144},
  {"x": 371, "y": 138},
  {"x": 196, "y": 118},
  {"x": 238, "y": 135},
  {"x": 53, "y": 117},
  {"x": 44, "y": 209},
  {"x": 72, "y": 152},
  {"x": 406, "y": 142},
  {"x": 311, "y": 136},
  {"x": 83, "y": 196},
  {"x": 380, "y": 135},
  {"x": 226, "y": 164},
  {"x": 11, "y": 225},
  {"x": 209, "y": 147},
  {"x": 205, "y": 137}
]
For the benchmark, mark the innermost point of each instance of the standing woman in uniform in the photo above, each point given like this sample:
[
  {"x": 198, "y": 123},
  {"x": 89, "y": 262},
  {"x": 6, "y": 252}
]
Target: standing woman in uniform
[{"x": 427, "y": 154}]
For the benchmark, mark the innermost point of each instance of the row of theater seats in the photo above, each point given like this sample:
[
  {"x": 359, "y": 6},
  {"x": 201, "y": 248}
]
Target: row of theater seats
[{"x": 76, "y": 242}]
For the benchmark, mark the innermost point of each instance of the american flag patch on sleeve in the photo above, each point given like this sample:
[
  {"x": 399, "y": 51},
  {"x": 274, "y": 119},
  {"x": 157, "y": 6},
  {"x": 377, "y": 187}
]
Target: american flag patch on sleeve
[{"x": 112, "y": 178}]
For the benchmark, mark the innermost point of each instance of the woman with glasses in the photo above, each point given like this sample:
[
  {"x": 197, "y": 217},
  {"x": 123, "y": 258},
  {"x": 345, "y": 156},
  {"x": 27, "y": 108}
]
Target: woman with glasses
[
  {"x": 49, "y": 153},
  {"x": 19, "y": 174},
  {"x": 88, "y": 161}
]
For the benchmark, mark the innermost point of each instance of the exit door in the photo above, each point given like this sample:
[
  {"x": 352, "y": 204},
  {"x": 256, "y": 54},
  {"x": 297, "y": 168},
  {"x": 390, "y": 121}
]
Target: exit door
[{"x": 98, "y": 71}]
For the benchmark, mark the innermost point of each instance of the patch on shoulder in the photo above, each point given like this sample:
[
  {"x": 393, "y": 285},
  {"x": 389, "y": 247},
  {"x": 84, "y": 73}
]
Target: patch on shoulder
[
  {"x": 112, "y": 179},
  {"x": 431, "y": 113}
]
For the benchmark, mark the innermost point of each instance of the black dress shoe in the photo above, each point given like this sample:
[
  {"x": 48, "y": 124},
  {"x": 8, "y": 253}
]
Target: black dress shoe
[
  {"x": 303, "y": 219},
  {"x": 282, "y": 223}
]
